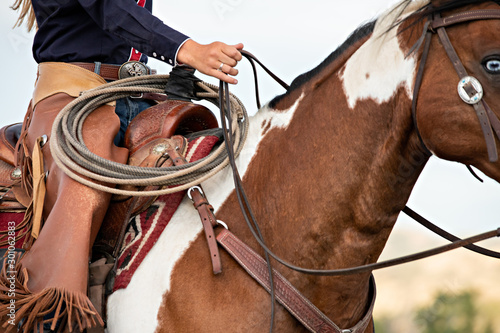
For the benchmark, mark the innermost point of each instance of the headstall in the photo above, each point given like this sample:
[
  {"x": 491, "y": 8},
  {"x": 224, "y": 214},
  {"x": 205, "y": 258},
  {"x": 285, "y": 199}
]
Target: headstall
[{"x": 469, "y": 88}]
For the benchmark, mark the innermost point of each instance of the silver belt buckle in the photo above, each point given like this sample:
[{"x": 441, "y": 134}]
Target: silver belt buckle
[{"x": 132, "y": 69}]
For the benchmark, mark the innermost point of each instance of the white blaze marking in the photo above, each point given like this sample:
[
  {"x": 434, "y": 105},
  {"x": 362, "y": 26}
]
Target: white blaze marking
[
  {"x": 135, "y": 308},
  {"x": 378, "y": 68}
]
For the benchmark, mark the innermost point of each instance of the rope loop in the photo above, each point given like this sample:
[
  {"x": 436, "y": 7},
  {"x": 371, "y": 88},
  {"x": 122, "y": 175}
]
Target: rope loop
[{"x": 75, "y": 159}]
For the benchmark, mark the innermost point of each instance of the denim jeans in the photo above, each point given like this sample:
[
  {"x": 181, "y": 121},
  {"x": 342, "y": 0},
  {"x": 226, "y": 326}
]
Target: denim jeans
[{"x": 127, "y": 109}]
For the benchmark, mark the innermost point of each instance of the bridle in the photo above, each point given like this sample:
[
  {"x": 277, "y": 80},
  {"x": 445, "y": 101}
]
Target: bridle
[{"x": 469, "y": 88}]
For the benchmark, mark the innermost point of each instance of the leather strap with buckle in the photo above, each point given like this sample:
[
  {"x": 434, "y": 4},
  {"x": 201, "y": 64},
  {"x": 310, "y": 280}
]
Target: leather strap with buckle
[
  {"x": 116, "y": 72},
  {"x": 286, "y": 294},
  {"x": 205, "y": 210}
]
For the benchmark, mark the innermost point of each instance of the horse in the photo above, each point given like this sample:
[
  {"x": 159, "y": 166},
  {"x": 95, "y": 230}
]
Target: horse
[{"x": 328, "y": 166}]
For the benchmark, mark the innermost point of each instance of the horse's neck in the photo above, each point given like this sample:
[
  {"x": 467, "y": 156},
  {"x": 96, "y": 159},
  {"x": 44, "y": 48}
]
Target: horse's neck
[
  {"x": 331, "y": 174},
  {"x": 335, "y": 176},
  {"x": 340, "y": 153}
]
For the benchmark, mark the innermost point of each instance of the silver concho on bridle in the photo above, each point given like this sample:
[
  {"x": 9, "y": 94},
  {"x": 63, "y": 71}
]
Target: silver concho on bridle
[{"x": 470, "y": 90}]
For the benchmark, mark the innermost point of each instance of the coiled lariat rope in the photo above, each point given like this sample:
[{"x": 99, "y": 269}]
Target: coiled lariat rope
[{"x": 73, "y": 157}]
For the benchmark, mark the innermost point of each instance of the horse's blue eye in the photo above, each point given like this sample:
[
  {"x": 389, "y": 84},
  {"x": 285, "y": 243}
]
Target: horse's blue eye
[{"x": 493, "y": 66}]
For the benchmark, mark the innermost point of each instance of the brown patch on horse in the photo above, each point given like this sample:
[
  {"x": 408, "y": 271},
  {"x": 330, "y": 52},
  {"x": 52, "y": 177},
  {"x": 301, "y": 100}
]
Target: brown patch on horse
[{"x": 266, "y": 125}]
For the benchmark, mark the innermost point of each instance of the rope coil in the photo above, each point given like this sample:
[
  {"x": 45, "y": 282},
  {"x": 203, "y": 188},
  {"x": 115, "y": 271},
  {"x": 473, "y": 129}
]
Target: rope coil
[{"x": 75, "y": 159}]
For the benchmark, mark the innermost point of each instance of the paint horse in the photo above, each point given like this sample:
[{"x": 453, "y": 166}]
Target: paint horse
[{"x": 327, "y": 167}]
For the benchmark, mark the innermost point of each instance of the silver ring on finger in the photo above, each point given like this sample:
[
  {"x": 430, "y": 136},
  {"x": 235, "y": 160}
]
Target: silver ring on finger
[{"x": 220, "y": 67}]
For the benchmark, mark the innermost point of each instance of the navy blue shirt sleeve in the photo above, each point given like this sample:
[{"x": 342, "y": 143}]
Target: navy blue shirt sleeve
[
  {"x": 137, "y": 26},
  {"x": 101, "y": 30}
]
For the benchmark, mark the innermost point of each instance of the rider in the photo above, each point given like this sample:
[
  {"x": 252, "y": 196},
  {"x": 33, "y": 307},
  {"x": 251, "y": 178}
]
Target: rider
[{"x": 81, "y": 44}]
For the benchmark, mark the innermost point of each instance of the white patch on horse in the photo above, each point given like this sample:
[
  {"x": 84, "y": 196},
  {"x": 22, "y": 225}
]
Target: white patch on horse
[
  {"x": 379, "y": 67},
  {"x": 135, "y": 308}
]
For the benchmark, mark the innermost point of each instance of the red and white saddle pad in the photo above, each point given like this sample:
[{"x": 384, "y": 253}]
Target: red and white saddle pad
[{"x": 144, "y": 229}]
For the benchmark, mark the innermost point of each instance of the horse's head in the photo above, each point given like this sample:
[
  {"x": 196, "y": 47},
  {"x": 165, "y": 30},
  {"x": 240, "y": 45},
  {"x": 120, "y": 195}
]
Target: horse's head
[{"x": 453, "y": 127}]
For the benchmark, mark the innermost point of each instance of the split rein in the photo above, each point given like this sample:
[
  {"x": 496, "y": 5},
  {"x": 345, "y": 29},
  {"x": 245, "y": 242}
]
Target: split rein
[{"x": 253, "y": 225}]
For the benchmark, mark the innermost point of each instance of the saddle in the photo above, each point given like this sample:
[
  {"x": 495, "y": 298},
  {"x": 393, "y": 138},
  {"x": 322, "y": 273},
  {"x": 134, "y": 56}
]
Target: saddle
[
  {"x": 9, "y": 135},
  {"x": 172, "y": 118}
]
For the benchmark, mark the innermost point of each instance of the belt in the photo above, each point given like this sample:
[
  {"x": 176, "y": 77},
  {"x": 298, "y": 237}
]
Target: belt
[{"x": 116, "y": 72}]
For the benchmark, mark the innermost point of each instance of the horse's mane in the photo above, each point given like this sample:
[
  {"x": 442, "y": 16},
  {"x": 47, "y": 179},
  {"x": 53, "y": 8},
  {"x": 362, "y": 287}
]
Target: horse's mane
[
  {"x": 361, "y": 32},
  {"x": 357, "y": 35}
]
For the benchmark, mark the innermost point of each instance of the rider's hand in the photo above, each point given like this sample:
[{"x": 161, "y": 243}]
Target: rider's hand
[{"x": 208, "y": 59}]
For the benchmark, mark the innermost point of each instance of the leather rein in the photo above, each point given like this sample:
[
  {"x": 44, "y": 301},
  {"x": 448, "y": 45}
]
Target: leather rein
[
  {"x": 470, "y": 91},
  {"x": 435, "y": 23}
]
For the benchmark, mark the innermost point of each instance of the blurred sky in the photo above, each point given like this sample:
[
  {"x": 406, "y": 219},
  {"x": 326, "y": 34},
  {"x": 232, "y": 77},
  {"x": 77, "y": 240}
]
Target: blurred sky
[{"x": 290, "y": 37}]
